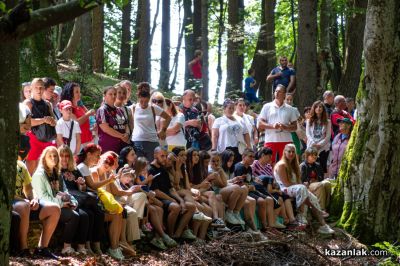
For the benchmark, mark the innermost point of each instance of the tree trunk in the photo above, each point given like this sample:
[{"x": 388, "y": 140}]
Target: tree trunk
[
  {"x": 370, "y": 169},
  {"x": 354, "y": 37},
  {"x": 334, "y": 41},
  {"x": 292, "y": 56},
  {"x": 86, "y": 44},
  {"x": 235, "y": 61},
  {"x": 153, "y": 29},
  {"x": 189, "y": 42},
  {"x": 178, "y": 49},
  {"x": 73, "y": 42},
  {"x": 204, "y": 48},
  {"x": 125, "y": 51},
  {"x": 135, "y": 43},
  {"x": 144, "y": 57},
  {"x": 265, "y": 56},
  {"x": 165, "y": 45},
  {"x": 197, "y": 24},
  {"x": 307, "y": 54},
  {"x": 325, "y": 64},
  {"x": 221, "y": 30},
  {"x": 9, "y": 80},
  {"x": 98, "y": 39}
]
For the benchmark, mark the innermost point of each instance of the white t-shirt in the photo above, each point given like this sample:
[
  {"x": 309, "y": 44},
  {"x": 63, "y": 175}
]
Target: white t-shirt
[
  {"x": 178, "y": 139},
  {"x": 248, "y": 121},
  {"x": 23, "y": 112},
  {"x": 63, "y": 127},
  {"x": 230, "y": 132},
  {"x": 85, "y": 171},
  {"x": 144, "y": 127},
  {"x": 284, "y": 114}
]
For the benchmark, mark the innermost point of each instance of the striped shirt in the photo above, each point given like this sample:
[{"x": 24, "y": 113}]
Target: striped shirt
[{"x": 259, "y": 169}]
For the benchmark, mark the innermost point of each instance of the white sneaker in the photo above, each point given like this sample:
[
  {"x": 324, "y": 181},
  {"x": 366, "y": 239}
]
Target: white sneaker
[
  {"x": 239, "y": 218},
  {"x": 231, "y": 218},
  {"x": 325, "y": 229},
  {"x": 199, "y": 216},
  {"x": 116, "y": 253},
  {"x": 302, "y": 218},
  {"x": 278, "y": 225},
  {"x": 69, "y": 251}
]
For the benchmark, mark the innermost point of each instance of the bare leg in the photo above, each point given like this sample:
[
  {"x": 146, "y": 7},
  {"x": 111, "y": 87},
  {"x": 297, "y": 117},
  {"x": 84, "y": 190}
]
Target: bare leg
[
  {"x": 230, "y": 195},
  {"x": 270, "y": 211},
  {"x": 185, "y": 219},
  {"x": 241, "y": 201},
  {"x": 289, "y": 210},
  {"x": 23, "y": 209},
  {"x": 249, "y": 210},
  {"x": 262, "y": 211},
  {"x": 203, "y": 230},
  {"x": 49, "y": 215},
  {"x": 174, "y": 210},
  {"x": 114, "y": 231},
  {"x": 196, "y": 227},
  {"x": 212, "y": 201},
  {"x": 155, "y": 216}
]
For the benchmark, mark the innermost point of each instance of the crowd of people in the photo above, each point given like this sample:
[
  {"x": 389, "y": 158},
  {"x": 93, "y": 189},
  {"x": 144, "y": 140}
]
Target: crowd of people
[{"x": 170, "y": 166}]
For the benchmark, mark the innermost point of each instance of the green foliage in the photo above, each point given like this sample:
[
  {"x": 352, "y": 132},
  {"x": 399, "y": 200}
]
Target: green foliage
[
  {"x": 252, "y": 18},
  {"x": 112, "y": 39},
  {"x": 284, "y": 39},
  {"x": 393, "y": 250},
  {"x": 2, "y": 6}
]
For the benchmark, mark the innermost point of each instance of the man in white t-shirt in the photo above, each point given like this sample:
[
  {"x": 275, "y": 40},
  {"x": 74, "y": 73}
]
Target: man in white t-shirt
[
  {"x": 63, "y": 128},
  {"x": 278, "y": 119}
]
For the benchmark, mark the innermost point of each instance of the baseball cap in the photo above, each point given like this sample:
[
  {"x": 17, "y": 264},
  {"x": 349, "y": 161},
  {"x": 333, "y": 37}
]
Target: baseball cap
[
  {"x": 345, "y": 120},
  {"x": 58, "y": 90},
  {"x": 65, "y": 104}
]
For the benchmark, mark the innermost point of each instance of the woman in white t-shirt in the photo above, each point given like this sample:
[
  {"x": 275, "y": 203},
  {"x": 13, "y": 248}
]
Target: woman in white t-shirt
[
  {"x": 247, "y": 120},
  {"x": 229, "y": 133},
  {"x": 145, "y": 137},
  {"x": 175, "y": 135}
]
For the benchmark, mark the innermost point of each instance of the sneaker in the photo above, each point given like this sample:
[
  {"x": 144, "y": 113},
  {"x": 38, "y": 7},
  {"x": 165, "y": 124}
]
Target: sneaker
[
  {"x": 211, "y": 234},
  {"x": 68, "y": 251},
  {"x": 83, "y": 251},
  {"x": 295, "y": 226},
  {"x": 169, "y": 242},
  {"x": 199, "y": 216},
  {"x": 45, "y": 252},
  {"x": 279, "y": 225},
  {"x": 187, "y": 234},
  {"x": 324, "y": 214},
  {"x": 115, "y": 253},
  {"x": 301, "y": 218},
  {"x": 223, "y": 229},
  {"x": 218, "y": 222},
  {"x": 325, "y": 229},
  {"x": 158, "y": 243},
  {"x": 239, "y": 218},
  {"x": 231, "y": 218}
]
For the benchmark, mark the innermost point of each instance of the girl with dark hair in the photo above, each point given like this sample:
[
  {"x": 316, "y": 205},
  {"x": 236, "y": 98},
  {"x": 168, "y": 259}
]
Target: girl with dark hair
[
  {"x": 127, "y": 156},
  {"x": 113, "y": 126},
  {"x": 72, "y": 93},
  {"x": 175, "y": 132},
  {"x": 227, "y": 159},
  {"x": 318, "y": 130}
]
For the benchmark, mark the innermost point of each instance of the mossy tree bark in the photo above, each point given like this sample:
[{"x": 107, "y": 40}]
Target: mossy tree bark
[
  {"x": 125, "y": 50},
  {"x": 369, "y": 175}
]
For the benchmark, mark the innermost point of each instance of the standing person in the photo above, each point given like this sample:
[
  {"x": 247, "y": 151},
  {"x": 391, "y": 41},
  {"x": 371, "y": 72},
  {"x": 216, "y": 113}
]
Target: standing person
[
  {"x": 339, "y": 145},
  {"x": 49, "y": 95},
  {"x": 43, "y": 131},
  {"x": 350, "y": 106},
  {"x": 195, "y": 65},
  {"x": 192, "y": 120},
  {"x": 113, "y": 127},
  {"x": 72, "y": 93},
  {"x": 318, "y": 130},
  {"x": 30, "y": 208},
  {"x": 128, "y": 86},
  {"x": 287, "y": 175},
  {"x": 175, "y": 132},
  {"x": 278, "y": 119},
  {"x": 328, "y": 98},
  {"x": 157, "y": 98},
  {"x": 247, "y": 120},
  {"x": 173, "y": 203},
  {"x": 282, "y": 75},
  {"x": 49, "y": 186},
  {"x": 68, "y": 130},
  {"x": 339, "y": 113},
  {"x": 295, "y": 137},
  {"x": 249, "y": 84},
  {"x": 125, "y": 110},
  {"x": 26, "y": 91},
  {"x": 145, "y": 137},
  {"x": 229, "y": 133}
]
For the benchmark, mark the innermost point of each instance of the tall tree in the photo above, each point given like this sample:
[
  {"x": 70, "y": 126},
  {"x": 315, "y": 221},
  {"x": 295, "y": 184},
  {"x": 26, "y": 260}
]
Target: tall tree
[
  {"x": 197, "y": 24},
  {"x": 174, "y": 68},
  {"x": 204, "y": 48},
  {"x": 235, "y": 60},
  {"x": 221, "y": 30},
  {"x": 335, "y": 53},
  {"x": 154, "y": 27},
  {"x": 165, "y": 44},
  {"x": 73, "y": 41},
  {"x": 98, "y": 39},
  {"x": 306, "y": 78},
  {"x": 86, "y": 44},
  {"x": 189, "y": 42},
  {"x": 355, "y": 24},
  {"x": 144, "y": 57},
  {"x": 24, "y": 23},
  {"x": 370, "y": 169},
  {"x": 125, "y": 51},
  {"x": 135, "y": 43},
  {"x": 325, "y": 64},
  {"x": 265, "y": 55}
]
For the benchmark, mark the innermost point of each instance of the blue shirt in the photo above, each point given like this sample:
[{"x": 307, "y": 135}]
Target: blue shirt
[
  {"x": 249, "y": 80},
  {"x": 285, "y": 78}
]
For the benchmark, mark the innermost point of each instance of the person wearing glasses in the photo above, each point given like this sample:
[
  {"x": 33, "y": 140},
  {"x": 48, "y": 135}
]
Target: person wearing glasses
[
  {"x": 157, "y": 98},
  {"x": 283, "y": 75},
  {"x": 145, "y": 136}
]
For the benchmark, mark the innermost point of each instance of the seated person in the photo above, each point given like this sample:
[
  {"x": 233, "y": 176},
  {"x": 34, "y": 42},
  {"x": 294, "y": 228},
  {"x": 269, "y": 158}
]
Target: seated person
[
  {"x": 312, "y": 176},
  {"x": 173, "y": 203},
  {"x": 30, "y": 209}
]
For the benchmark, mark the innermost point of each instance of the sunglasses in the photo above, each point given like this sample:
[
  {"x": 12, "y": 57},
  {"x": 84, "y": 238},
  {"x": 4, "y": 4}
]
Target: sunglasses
[{"x": 157, "y": 101}]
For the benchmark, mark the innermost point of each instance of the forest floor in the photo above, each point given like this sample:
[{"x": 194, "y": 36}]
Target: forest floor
[{"x": 281, "y": 248}]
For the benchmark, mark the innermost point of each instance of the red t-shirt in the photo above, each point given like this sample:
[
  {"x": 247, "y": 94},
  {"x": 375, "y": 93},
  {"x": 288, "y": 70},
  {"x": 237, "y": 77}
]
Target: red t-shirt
[
  {"x": 86, "y": 135},
  {"x": 196, "y": 70}
]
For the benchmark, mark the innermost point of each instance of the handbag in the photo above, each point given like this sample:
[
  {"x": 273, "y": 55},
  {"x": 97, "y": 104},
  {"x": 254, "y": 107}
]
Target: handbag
[
  {"x": 67, "y": 141},
  {"x": 44, "y": 132},
  {"x": 111, "y": 205}
]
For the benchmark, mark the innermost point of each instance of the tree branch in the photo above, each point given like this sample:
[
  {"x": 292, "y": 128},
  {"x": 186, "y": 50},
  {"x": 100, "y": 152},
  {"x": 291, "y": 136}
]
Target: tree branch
[{"x": 41, "y": 18}]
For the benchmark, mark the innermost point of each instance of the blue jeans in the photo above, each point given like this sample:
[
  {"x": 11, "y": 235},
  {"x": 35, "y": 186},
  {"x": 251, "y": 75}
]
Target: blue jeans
[
  {"x": 251, "y": 97},
  {"x": 145, "y": 149}
]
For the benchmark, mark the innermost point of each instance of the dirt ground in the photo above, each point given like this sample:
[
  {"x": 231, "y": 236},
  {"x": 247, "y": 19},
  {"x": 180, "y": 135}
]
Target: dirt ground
[{"x": 280, "y": 248}]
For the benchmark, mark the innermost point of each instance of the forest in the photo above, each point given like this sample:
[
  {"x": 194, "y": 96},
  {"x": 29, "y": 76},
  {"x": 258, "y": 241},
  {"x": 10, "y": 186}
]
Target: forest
[{"x": 350, "y": 47}]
